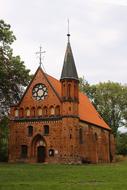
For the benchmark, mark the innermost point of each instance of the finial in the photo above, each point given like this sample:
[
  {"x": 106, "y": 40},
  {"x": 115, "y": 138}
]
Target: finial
[
  {"x": 40, "y": 57},
  {"x": 68, "y": 34}
]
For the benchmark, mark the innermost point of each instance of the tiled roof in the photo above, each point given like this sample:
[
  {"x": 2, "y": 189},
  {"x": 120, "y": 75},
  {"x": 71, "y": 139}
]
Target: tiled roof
[{"x": 87, "y": 111}]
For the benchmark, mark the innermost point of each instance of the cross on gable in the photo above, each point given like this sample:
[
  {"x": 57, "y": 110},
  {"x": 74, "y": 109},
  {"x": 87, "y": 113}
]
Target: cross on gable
[{"x": 40, "y": 55}]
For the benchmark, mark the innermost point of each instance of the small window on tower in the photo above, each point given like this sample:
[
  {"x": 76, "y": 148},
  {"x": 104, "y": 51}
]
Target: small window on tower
[
  {"x": 69, "y": 90},
  {"x": 24, "y": 151},
  {"x": 46, "y": 129}
]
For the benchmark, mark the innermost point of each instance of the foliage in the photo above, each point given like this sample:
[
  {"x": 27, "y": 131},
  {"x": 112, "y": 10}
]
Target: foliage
[
  {"x": 4, "y": 139},
  {"x": 60, "y": 177},
  {"x": 85, "y": 87},
  {"x": 110, "y": 100},
  {"x": 13, "y": 74},
  {"x": 121, "y": 144}
]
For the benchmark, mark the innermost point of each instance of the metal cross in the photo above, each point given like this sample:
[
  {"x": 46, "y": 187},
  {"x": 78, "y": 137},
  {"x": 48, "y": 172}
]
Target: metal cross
[{"x": 40, "y": 55}]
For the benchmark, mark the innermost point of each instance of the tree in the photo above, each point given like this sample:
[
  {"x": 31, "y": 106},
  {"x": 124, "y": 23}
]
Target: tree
[
  {"x": 13, "y": 78},
  {"x": 4, "y": 139},
  {"x": 85, "y": 87},
  {"x": 13, "y": 73},
  {"x": 121, "y": 144},
  {"x": 110, "y": 100}
]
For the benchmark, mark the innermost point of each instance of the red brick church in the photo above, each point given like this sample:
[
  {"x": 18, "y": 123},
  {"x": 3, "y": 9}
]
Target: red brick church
[{"x": 55, "y": 123}]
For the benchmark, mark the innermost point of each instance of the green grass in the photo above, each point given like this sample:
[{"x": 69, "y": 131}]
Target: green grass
[{"x": 63, "y": 177}]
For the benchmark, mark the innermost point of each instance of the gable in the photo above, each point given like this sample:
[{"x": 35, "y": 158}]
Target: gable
[{"x": 30, "y": 97}]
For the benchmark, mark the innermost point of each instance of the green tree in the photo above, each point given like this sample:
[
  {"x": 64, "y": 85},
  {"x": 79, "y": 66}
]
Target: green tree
[
  {"x": 13, "y": 78},
  {"x": 110, "y": 100},
  {"x": 4, "y": 139},
  {"x": 85, "y": 87},
  {"x": 121, "y": 144},
  {"x": 13, "y": 73}
]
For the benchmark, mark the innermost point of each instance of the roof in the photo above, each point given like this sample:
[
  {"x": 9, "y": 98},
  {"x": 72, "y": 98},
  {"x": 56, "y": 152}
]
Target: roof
[
  {"x": 69, "y": 69},
  {"x": 87, "y": 111}
]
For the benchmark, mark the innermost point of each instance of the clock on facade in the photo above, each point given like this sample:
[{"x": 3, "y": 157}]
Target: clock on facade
[{"x": 39, "y": 91}]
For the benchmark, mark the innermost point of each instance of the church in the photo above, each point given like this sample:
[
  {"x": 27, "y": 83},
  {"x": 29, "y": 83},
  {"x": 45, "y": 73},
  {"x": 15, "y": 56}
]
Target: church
[{"x": 55, "y": 123}]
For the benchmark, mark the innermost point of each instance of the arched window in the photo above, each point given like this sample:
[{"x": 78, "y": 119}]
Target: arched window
[
  {"x": 46, "y": 129},
  {"x": 33, "y": 112},
  {"x": 63, "y": 89},
  {"x": 45, "y": 111},
  {"x": 21, "y": 112},
  {"x": 69, "y": 90},
  {"x": 75, "y": 91},
  {"x": 27, "y": 112},
  {"x": 39, "y": 111},
  {"x": 24, "y": 150},
  {"x": 80, "y": 136},
  {"x": 57, "y": 110},
  {"x": 52, "y": 111},
  {"x": 16, "y": 112},
  {"x": 30, "y": 131}
]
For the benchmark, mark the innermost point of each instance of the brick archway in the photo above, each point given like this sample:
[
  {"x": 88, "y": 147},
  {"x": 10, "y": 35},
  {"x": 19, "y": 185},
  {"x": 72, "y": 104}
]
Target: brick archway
[{"x": 38, "y": 148}]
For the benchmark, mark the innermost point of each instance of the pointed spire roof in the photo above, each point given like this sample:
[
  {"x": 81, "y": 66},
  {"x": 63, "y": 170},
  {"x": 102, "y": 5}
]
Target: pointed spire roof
[{"x": 69, "y": 69}]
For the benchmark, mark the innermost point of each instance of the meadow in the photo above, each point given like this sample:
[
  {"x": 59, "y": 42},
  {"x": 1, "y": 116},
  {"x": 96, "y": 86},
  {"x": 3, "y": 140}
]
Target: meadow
[{"x": 63, "y": 177}]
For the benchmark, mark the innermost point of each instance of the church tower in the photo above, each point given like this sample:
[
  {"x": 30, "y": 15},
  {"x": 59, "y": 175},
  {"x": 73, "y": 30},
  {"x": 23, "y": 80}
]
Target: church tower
[
  {"x": 70, "y": 103},
  {"x": 69, "y": 83}
]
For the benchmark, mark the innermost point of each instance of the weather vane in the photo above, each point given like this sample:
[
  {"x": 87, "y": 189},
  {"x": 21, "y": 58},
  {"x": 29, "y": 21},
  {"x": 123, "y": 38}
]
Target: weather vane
[{"x": 40, "y": 55}]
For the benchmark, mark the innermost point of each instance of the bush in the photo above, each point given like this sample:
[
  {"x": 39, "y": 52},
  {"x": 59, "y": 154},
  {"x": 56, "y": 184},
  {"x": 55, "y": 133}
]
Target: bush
[
  {"x": 121, "y": 144},
  {"x": 4, "y": 139}
]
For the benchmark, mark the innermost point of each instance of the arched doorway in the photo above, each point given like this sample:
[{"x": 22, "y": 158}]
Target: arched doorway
[
  {"x": 41, "y": 151},
  {"x": 38, "y": 149}
]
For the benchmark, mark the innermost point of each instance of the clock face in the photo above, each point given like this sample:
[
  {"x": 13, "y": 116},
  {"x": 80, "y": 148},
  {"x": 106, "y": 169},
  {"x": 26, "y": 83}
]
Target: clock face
[{"x": 39, "y": 92}]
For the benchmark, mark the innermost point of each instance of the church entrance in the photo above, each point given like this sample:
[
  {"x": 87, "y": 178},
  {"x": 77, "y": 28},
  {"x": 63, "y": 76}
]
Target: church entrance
[
  {"x": 40, "y": 154},
  {"x": 38, "y": 149}
]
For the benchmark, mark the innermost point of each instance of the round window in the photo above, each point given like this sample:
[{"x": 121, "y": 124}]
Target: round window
[{"x": 39, "y": 92}]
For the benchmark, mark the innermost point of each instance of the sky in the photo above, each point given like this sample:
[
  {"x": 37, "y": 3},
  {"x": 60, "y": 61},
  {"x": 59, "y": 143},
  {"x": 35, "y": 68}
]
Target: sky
[{"x": 98, "y": 31}]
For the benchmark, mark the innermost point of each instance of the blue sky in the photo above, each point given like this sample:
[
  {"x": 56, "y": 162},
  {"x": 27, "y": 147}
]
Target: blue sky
[{"x": 98, "y": 35}]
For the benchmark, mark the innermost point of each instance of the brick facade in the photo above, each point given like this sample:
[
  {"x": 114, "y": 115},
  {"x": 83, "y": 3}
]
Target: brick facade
[{"x": 54, "y": 126}]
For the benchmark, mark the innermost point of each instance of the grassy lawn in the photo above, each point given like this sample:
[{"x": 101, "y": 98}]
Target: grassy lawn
[{"x": 63, "y": 177}]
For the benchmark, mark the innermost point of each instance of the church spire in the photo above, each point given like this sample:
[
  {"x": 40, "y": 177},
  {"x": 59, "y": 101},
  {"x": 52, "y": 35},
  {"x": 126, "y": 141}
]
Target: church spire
[{"x": 69, "y": 69}]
